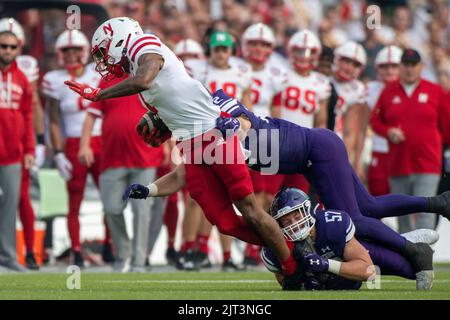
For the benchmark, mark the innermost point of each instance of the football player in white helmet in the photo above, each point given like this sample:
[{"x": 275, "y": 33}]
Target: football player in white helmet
[
  {"x": 387, "y": 64},
  {"x": 305, "y": 93},
  {"x": 352, "y": 112},
  {"x": 218, "y": 72},
  {"x": 29, "y": 66},
  {"x": 188, "y": 49},
  {"x": 72, "y": 50},
  {"x": 187, "y": 109}
]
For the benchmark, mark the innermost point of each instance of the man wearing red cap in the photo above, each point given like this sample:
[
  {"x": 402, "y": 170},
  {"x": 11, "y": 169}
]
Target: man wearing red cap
[{"x": 412, "y": 113}]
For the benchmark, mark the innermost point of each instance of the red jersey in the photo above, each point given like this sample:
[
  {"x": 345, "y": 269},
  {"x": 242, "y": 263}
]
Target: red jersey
[
  {"x": 122, "y": 147},
  {"x": 16, "y": 116},
  {"x": 421, "y": 116}
]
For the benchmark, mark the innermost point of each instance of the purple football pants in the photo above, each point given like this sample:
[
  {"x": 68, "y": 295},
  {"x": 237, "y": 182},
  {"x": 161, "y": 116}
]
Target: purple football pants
[{"x": 339, "y": 188}]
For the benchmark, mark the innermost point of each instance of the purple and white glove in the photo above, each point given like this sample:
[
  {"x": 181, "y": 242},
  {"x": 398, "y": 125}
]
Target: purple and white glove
[
  {"x": 227, "y": 126},
  {"x": 315, "y": 263}
]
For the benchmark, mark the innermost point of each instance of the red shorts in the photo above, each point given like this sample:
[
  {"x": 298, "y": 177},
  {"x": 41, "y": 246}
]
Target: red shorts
[
  {"x": 218, "y": 181},
  {"x": 377, "y": 175},
  {"x": 268, "y": 183}
]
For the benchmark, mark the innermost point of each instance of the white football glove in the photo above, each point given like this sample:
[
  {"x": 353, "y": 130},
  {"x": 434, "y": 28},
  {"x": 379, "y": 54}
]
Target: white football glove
[
  {"x": 40, "y": 155},
  {"x": 64, "y": 166}
]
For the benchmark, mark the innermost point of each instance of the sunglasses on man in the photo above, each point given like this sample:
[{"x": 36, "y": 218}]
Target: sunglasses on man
[{"x": 6, "y": 46}]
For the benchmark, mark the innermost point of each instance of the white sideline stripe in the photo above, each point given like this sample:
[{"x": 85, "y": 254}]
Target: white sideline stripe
[{"x": 188, "y": 281}]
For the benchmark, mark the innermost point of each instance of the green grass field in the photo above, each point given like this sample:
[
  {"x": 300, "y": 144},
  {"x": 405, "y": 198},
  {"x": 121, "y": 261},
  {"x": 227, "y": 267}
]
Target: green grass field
[{"x": 208, "y": 285}]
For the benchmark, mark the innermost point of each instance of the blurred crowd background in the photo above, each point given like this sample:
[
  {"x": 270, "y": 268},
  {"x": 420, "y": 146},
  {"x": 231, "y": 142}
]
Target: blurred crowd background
[{"x": 421, "y": 24}]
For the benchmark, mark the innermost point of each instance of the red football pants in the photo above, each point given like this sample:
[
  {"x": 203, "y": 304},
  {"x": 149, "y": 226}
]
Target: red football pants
[{"x": 216, "y": 184}]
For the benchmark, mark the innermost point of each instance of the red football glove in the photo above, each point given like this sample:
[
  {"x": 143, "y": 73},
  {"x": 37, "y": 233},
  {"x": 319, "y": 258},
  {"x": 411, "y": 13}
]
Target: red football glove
[{"x": 83, "y": 90}]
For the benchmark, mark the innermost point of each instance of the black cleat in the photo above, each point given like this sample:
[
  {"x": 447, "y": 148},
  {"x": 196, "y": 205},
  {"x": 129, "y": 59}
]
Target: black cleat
[
  {"x": 107, "y": 253},
  {"x": 189, "y": 260},
  {"x": 172, "y": 257},
  {"x": 203, "y": 261},
  {"x": 420, "y": 255},
  {"x": 78, "y": 259},
  {"x": 440, "y": 204},
  {"x": 30, "y": 261},
  {"x": 229, "y": 265}
]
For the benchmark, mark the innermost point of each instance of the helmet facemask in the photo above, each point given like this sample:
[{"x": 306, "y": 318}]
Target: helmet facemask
[
  {"x": 257, "y": 51},
  {"x": 300, "y": 223},
  {"x": 105, "y": 64},
  {"x": 304, "y": 59}
]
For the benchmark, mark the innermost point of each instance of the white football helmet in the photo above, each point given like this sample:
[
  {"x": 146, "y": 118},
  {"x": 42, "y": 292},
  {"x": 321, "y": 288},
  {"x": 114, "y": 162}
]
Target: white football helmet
[
  {"x": 110, "y": 44},
  {"x": 352, "y": 51},
  {"x": 72, "y": 39},
  {"x": 389, "y": 55},
  {"x": 258, "y": 32},
  {"x": 188, "y": 47},
  {"x": 304, "y": 49},
  {"x": 11, "y": 24}
]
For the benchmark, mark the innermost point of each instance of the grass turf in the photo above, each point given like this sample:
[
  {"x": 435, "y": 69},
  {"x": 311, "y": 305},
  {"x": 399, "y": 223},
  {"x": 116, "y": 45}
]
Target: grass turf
[{"x": 207, "y": 286}]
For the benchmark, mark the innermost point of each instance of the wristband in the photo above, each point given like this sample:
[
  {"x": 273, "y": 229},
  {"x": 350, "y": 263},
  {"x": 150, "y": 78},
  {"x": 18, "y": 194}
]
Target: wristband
[
  {"x": 153, "y": 190},
  {"x": 334, "y": 266}
]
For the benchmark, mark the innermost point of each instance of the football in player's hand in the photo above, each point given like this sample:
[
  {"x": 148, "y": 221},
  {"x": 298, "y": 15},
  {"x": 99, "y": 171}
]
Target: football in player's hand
[{"x": 152, "y": 129}]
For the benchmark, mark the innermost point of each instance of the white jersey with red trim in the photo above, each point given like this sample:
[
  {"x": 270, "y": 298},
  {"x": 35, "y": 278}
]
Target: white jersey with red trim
[
  {"x": 267, "y": 84},
  {"x": 183, "y": 103},
  {"x": 349, "y": 93},
  {"x": 73, "y": 106},
  {"x": 29, "y": 66},
  {"x": 233, "y": 81},
  {"x": 374, "y": 88},
  {"x": 301, "y": 97}
]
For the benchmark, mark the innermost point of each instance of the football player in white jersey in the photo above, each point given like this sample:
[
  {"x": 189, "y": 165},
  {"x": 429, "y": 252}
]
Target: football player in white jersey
[
  {"x": 352, "y": 112},
  {"x": 72, "y": 49},
  {"x": 233, "y": 76},
  {"x": 218, "y": 73},
  {"x": 305, "y": 93},
  {"x": 29, "y": 66},
  {"x": 187, "y": 109},
  {"x": 258, "y": 42},
  {"x": 387, "y": 64}
]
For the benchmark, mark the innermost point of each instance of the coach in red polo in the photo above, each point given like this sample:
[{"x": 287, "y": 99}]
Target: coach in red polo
[{"x": 411, "y": 113}]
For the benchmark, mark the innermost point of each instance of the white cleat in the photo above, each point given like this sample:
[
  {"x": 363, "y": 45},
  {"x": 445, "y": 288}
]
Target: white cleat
[
  {"x": 422, "y": 235},
  {"x": 424, "y": 280}
]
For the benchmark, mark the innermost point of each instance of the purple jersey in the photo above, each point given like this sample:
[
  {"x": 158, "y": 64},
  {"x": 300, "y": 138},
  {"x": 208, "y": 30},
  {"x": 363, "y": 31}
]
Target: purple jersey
[
  {"x": 333, "y": 230},
  {"x": 293, "y": 141}
]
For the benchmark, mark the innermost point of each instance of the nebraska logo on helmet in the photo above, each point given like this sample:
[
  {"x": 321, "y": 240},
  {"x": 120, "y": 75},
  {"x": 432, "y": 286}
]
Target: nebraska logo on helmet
[
  {"x": 264, "y": 41},
  {"x": 110, "y": 45},
  {"x": 304, "y": 49},
  {"x": 109, "y": 29}
]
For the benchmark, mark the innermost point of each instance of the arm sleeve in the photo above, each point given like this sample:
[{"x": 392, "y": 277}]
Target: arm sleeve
[
  {"x": 28, "y": 143},
  {"x": 444, "y": 116},
  {"x": 49, "y": 86},
  {"x": 377, "y": 120},
  {"x": 270, "y": 261}
]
